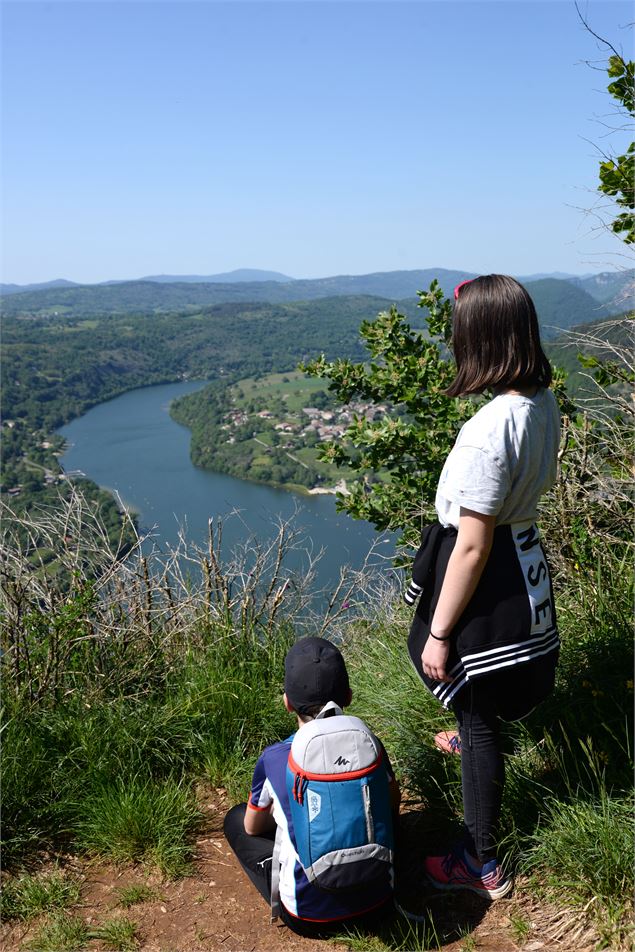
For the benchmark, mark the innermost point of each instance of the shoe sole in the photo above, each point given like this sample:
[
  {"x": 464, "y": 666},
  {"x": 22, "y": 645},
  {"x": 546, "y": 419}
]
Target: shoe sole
[{"x": 497, "y": 893}]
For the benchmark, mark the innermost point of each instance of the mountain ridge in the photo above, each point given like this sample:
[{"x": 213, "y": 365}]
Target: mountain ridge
[
  {"x": 560, "y": 303},
  {"x": 602, "y": 285}
]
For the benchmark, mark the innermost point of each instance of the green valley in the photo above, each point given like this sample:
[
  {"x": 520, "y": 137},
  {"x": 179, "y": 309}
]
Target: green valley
[
  {"x": 270, "y": 429},
  {"x": 56, "y": 368}
]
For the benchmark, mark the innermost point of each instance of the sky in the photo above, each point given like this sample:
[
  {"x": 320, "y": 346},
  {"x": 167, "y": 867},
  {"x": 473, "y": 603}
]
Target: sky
[{"x": 311, "y": 138}]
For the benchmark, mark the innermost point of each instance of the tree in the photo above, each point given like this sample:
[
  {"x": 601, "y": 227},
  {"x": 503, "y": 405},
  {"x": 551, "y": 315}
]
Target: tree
[
  {"x": 617, "y": 172},
  {"x": 407, "y": 374},
  {"x": 592, "y": 511}
]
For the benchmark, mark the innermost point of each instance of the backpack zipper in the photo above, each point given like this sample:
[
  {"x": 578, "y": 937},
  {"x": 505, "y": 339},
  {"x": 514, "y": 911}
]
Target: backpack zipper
[{"x": 370, "y": 826}]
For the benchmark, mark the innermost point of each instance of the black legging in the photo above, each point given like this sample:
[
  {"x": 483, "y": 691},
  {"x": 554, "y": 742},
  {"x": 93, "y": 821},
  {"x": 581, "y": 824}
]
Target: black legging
[
  {"x": 482, "y": 769},
  {"x": 480, "y": 707}
]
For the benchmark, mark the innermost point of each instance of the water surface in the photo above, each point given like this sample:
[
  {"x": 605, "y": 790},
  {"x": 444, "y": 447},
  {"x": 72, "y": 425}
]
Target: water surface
[{"x": 133, "y": 447}]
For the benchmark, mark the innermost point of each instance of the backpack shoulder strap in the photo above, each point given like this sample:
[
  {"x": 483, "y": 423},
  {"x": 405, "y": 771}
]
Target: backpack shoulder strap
[
  {"x": 275, "y": 875},
  {"x": 329, "y": 710}
]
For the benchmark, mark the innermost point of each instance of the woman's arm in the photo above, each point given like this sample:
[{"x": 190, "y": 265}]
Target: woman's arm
[{"x": 466, "y": 564}]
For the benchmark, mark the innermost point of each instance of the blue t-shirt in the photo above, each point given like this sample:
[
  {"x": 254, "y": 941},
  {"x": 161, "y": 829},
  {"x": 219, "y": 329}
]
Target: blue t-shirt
[{"x": 299, "y": 897}]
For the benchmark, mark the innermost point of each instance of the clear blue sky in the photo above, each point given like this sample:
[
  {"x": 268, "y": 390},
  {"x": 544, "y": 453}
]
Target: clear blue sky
[{"x": 311, "y": 138}]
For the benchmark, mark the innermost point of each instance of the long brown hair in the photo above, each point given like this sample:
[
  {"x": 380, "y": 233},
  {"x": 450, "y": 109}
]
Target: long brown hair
[{"x": 495, "y": 338}]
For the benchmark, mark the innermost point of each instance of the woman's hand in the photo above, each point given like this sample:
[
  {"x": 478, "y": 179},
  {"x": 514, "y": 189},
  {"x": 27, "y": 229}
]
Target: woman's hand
[{"x": 434, "y": 659}]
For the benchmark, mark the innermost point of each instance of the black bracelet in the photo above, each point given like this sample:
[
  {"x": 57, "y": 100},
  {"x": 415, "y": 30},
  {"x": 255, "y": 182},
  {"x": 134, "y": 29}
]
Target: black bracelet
[{"x": 436, "y": 637}]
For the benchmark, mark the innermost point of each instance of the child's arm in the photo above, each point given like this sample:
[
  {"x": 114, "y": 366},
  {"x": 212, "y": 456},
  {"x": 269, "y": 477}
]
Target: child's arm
[
  {"x": 259, "y": 812},
  {"x": 465, "y": 567},
  {"x": 259, "y": 820}
]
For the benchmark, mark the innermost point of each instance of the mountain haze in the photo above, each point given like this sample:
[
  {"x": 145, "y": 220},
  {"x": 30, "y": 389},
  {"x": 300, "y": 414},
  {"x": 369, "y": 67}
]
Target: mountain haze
[
  {"x": 40, "y": 286},
  {"x": 614, "y": 291},
  {"x": 613, "y": 287},
  {"x": 560, "y": 303},
  {"x": 227, "y": 277}
]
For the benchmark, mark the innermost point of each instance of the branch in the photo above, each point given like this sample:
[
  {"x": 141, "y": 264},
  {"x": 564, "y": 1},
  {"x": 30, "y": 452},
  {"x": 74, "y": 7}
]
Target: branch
[{"x": 596, "y": 35}]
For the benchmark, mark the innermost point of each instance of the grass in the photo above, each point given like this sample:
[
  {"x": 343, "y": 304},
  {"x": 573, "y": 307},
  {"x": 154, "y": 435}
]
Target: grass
[
  {"x": 64, "y": 933},
  {"x": 390, "y": 697},
  {"x": 294, "y": 387},
  {"x": 583, "y": 851},
  {"x": 520, "y": 926},
  {"x": 60, "y": 933},
  {"x": 396, "y": 935},
  {"x": 120, "y": 935},
  {"x": 567, "y": 805},
  {"x": 140, "y": 820},
  {"x": 27, "y": 896},
  {"x": 135, "y": 893},
  {"x": 109, "y": 763},
  {"x": 115, "y": 773}
]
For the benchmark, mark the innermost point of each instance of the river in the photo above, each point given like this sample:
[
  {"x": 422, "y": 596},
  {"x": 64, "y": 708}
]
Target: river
[{"x": 132, "y": 446}]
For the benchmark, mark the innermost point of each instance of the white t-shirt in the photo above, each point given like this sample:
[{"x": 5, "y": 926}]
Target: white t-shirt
[{"x": 503, "y": 460}]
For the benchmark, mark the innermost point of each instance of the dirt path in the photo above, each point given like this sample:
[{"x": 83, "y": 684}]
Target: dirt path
[{"x": 217, "y": 910}]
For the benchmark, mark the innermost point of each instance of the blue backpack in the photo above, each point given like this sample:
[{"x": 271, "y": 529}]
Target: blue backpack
[{"x": 339, "y": 795}]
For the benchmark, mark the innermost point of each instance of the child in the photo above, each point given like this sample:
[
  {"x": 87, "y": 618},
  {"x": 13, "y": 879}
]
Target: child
[
  {"x": 484, "y": 637},
  {"x": 315, "y": 674}
]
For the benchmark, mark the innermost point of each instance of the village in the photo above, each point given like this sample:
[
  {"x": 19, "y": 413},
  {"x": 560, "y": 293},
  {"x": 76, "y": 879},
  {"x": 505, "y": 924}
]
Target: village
[
  {"x": 287, "y": 435},
  {"x": 305, "y": 427}
]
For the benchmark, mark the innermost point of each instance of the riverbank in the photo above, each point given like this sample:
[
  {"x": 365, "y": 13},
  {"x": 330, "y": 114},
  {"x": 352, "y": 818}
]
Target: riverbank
[
  {"x": 273, "y": 430},
  {"x": 133, "y": 445}
]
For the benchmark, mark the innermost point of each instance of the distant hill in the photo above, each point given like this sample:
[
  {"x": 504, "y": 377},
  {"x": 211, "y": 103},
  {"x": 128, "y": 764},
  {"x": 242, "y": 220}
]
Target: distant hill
[
  {"x": 227, "y": 277},
  {"x": 616, "y": 288},
  {"x": 561, "y": 305},
  {"x": 564, "y": 349},
  {"x": 43, "y": 286},
  {"x": 559, "y": 275},
  {"x": 394, "y": 285},
  {"x": 148, "y": 295}
]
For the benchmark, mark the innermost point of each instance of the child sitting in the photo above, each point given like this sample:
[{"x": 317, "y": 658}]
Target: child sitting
[{"x": 315, "y": 674}]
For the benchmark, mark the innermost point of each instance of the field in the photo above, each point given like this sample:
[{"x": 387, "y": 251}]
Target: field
[{"x": 294, "y": 388}]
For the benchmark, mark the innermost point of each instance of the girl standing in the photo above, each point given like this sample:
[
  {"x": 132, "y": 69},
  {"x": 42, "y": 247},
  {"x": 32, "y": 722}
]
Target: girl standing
[{"x": 484, "y": 638}]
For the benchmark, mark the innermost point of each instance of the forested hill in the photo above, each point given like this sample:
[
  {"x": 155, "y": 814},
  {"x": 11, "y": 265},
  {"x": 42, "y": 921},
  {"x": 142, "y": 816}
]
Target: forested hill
[
  {"x": 150, "y": 295},
  {"x": 56, "y": 368},
  {"x": 560, "y": 303}
]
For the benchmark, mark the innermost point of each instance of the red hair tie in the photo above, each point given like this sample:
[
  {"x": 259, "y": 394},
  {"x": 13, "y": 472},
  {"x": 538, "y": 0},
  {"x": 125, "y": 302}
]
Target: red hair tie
[{"x": 459, "y": 286}]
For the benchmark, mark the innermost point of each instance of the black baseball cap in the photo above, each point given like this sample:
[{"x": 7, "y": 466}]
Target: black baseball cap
[{"x": 315, "y": 673}]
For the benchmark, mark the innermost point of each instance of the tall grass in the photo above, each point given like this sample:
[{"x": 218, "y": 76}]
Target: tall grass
[
  {"x": 569, "y": 766},
  {"x": 136, "y": 819},
  {"x": 72, "y": 769},
  {"x": 582, "y": 851},
  {"x": 122, "y": 688}
]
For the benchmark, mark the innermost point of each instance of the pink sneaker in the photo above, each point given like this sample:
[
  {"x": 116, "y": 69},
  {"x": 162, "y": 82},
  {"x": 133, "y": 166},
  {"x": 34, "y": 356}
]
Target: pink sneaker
[
  {"x": 453, "y": 871},
  {"x": 448, "y": 741}
]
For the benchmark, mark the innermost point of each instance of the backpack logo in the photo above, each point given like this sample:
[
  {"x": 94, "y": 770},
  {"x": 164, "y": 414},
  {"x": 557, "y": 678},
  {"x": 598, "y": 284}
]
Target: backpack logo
[
  {"x": 341, "y": 762},
  {"x": 314, "y": 802}
]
